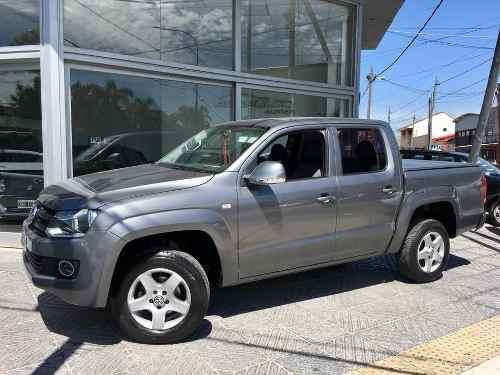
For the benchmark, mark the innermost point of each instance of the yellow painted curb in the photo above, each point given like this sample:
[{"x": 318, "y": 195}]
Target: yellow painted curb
[{"x": 451, "y": 354}]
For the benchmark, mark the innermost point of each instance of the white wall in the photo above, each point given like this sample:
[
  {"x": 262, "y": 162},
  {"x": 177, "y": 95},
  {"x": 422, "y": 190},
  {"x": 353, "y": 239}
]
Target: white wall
[{"x": 440, "y": 122}]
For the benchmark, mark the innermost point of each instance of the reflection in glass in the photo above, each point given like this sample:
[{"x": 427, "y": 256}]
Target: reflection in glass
[
  {"x": 19, "y": 22},
  {"x": 188, "y": 32},
  {"x": 262, "y": 104},
  {"x": 120, "y": 120},
  {"x": 20, "y": 141},
  {"x": 213, "y": 150},
  {"x": 310, "y": 40}
]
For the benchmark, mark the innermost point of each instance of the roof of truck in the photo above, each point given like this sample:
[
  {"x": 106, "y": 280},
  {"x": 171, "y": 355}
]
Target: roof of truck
[{"x": 287, "y": 121}]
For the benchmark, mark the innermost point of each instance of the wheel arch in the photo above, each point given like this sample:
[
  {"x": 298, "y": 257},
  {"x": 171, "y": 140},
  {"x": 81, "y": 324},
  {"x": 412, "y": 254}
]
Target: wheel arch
[
  {"x": 181, "y": 227},
  {"x": 438, "y": 203}
]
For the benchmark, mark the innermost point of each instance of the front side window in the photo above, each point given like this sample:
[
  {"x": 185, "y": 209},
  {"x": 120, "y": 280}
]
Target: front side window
[
  {"x": 363, "y": 150},
  {"x": 302, "y": 153},
  {"x": 214, "y": 149}
]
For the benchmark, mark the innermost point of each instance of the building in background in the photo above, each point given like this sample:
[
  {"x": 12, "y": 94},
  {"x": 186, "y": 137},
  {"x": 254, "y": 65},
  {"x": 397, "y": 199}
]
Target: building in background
[
  {"x": 122, "y": 82},
  {"x": 465, "y": 130},
  {"x": 415, "y": 135}
]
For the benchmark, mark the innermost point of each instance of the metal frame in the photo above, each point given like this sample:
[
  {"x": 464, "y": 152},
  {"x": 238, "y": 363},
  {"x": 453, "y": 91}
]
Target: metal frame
[{"x": 55, "y": 132}]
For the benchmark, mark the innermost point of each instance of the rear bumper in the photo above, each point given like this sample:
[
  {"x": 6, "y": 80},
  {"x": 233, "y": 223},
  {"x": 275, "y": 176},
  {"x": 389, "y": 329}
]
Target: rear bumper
[{"x": 94, "y": 253}]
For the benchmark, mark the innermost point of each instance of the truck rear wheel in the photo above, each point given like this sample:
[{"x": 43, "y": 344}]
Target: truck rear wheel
[
  {"x": 163, "y": 299},
  {"x": 425, "y": 251}
]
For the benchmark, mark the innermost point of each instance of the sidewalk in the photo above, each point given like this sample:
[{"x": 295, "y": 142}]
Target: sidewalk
[{"x": 490, "y": 367}]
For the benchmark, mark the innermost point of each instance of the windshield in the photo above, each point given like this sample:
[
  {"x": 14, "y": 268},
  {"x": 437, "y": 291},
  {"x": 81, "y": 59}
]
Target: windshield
[
  {"x": 214, "y": 149},
  {"x": 487, "y": 166}
]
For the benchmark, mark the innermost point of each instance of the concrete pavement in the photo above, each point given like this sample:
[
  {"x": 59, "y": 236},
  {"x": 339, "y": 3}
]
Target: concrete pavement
[{"x": 328, "y": 321}]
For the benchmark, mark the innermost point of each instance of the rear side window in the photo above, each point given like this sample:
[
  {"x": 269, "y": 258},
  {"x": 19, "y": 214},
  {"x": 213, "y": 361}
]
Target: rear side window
[{"x": 363, "y": 150}]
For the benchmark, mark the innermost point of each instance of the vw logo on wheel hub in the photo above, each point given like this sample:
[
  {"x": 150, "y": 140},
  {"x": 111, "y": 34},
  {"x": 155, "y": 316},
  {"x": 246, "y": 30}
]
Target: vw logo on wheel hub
[{"x": 159, "y": 301}]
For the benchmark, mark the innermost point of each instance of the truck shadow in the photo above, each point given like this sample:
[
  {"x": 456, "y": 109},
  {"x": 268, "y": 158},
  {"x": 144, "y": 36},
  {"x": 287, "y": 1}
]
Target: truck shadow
[
  {"x": 312, "y": 284},
  {"x": 84, "y": 325}
]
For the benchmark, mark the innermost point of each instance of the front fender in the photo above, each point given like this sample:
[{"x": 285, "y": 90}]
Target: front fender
[
  {"x": 204, "y": 220},
  {"x": 412, "y": 202}
]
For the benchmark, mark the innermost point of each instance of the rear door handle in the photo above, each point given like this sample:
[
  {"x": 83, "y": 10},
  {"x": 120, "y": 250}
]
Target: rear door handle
[{"x": 326, "y": 199}]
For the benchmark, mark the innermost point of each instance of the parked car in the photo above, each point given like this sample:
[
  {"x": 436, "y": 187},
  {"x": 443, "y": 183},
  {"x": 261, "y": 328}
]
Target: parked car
[
  {"x": 492, "y": 173},
  {"x": 21, "y": 173},
  {"x": 239, "y": 202},
  {"x": 21, "y": 181}
]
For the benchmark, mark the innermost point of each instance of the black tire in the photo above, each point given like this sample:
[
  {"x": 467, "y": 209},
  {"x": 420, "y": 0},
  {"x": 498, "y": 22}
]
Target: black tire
[
  {"x": 492, "y": 219},
  {"x": 408, "y": 260},
  {"x": 196, "y": 279}
]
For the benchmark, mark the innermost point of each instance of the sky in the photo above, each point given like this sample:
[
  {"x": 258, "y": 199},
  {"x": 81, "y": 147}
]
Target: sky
[{"x": 473, "y": 24}]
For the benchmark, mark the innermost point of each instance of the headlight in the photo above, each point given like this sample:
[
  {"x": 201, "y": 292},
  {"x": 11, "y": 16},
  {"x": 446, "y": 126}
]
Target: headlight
[{"x": 71, "y": 223}]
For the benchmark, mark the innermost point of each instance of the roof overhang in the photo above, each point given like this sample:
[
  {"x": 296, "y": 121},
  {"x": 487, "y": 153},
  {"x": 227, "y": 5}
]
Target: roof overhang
[{"x": 377, "y": 17}]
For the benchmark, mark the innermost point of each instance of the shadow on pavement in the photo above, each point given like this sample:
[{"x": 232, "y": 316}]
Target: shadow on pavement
[
  {"x": 317, "y": 283},
  {"x": 494, "y": 230},
  {"x": 83, "y": 325},
  {"x": 494, "y": 248}
]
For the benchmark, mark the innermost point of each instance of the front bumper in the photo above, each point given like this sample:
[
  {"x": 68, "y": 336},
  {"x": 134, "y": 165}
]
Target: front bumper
[{"x": 95, "y": 253}]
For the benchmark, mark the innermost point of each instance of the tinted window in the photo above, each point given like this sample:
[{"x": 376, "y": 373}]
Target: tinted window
[
  {"x": 121, "y": 120},
  {"x": 301, "y": 153},
  {"x": 363, "y": 150}
]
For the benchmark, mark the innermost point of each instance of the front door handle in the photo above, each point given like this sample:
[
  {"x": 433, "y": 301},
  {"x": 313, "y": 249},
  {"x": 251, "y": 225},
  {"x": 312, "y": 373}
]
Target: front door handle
[
  {"x": 389, "y": 190},
  {"x": 326, "y": 199}
]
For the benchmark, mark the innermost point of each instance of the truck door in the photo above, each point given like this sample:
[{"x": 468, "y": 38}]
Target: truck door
[
  {"x": 291, "y": 224},
  {"x": 370, "y": 190}
]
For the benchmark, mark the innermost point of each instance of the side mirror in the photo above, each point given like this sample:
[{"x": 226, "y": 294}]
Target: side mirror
[{"x": 267, "y": 173}]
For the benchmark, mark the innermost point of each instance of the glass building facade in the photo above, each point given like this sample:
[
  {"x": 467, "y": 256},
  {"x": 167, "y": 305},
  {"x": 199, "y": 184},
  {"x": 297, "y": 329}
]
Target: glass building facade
[{"x": 92, "y": 85}]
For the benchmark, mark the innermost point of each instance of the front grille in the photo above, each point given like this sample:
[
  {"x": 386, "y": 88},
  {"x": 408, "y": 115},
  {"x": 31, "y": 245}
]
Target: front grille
[
  {"x": 35, "y": 261},
  {"x": 41, "y": 219}
]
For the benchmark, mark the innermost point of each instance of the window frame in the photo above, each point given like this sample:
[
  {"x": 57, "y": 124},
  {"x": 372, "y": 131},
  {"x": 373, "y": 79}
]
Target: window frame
[
  {"x": 323, "y": 129},
  {"x": 338, "y": 150}
]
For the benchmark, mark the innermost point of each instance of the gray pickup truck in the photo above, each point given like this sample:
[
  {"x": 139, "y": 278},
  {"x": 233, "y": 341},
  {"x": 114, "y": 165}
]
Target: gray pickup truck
[{"x": 238, "y": 202}]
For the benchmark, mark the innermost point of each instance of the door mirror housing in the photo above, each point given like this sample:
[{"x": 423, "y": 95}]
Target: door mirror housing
[{"x": 267, "y": 173}]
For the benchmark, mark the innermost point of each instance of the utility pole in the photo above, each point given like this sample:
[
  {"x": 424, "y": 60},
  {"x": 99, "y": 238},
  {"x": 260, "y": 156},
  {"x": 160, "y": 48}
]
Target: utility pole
[
  {"x": 497, "y": 154},
  {"x": 432, "y": 105},
  {"x": 412, "y": 129},
  {"x": 370, "y": 77},
  {"x": 389, "y": 115},
  {"x": 486, "y": 107}
]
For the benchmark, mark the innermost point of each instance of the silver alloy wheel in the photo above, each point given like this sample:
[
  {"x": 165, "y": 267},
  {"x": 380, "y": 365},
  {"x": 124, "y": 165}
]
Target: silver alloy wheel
[
  {"x": 159, "y": 299},
  {"x": 496, "y": 213},
  {"x": 430, "y": 252}
]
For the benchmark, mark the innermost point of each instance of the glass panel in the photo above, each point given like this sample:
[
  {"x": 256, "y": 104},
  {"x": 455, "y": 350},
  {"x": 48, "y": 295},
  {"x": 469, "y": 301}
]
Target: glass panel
[
  {"x": 21, "y": 172},
  {"x": 213, "y": 150},
  {"x": 363, "y": 150},
  {"x": 19, "y": 22},
  {"x": 261, "y": 104},
  {"x": 310, "y": 40},
  {"x": 302, "y": 153},
  {"x": 121, "y": 120},
  {"x": 189, "y": 32}
]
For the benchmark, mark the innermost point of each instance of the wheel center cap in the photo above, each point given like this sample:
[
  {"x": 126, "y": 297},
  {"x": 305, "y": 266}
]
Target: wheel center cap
[{"x": 159, "y": 301}]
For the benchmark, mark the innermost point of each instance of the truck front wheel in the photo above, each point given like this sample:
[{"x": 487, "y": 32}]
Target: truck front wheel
[
  {"x": 163, "y": 299},
  {"x": 425, "y": 252}
]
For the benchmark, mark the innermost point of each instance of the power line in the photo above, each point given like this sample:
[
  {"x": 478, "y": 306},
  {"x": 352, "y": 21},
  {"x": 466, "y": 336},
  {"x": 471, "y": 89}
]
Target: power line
[
  {"x": 409, "y": 88},
  {"x": 467, "y": 70},
  {"x": 463, "y": 88},
  {"x": 413, "y": 39}
]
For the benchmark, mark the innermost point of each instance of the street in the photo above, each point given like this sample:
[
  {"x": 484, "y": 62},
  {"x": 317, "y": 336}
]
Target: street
[{"x": 327, "y": 321}]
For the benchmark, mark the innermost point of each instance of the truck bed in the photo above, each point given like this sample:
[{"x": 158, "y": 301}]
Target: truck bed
[{"x": 419, "y": 165}]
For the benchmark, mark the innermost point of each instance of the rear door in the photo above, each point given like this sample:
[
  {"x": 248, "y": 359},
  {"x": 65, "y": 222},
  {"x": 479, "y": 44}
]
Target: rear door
[{"x": 370, "y": 190}]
